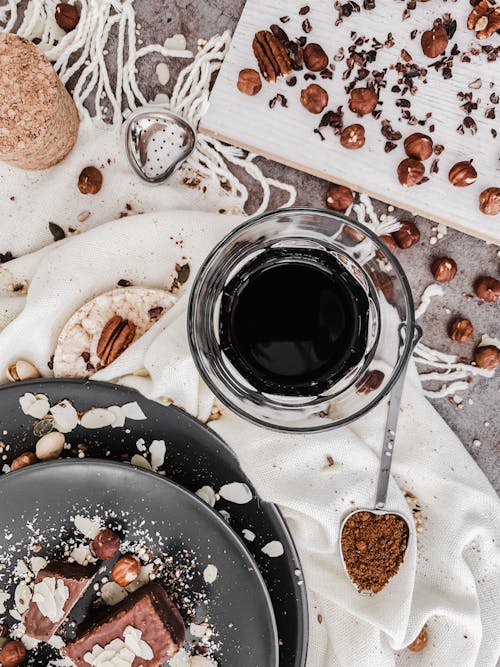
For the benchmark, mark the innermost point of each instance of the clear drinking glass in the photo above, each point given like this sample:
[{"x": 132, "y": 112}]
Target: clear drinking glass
[{"x": 390, "y": 331}]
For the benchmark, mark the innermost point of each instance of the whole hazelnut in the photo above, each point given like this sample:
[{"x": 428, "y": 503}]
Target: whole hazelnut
[
  {"x": 370, "y": 382},
  {"x": 407, "y": 235},
  {"x": 489, "y": 201},
  {"x": 410, "y": 172},
  {"x": 50, "y": 446},
  {"x": 90, "y": 181},
  {"x": 23, "y": 461},
  {"x": 315, "y": 58},
  {"x": 126, "y": 570},
  {"x": 339, "y": 198},
  {"x": 353, "y": 137},
  {"x": 487, "y": 357},
  {"x": 362, "y": 100},
  {"x": 314, "y": 98},
  {"x": 66, "y": 16},
  {"x": 460, "y": 330},
  {"x": 487, "y": 288},
  {"x": 249, "y": 82},
  {"x": 389, "y": 241},
  {"x": 418, "y": 146},
  {"x": 105, "y": 544},
  {"x": 12, "y": 654},
  {"x": 444, "y": 269},
  {"x": 384, "y": 283},
  {"x": 462, "y": 174},
  {"x": 434, "y": 41},
  {"x": 420, "y": 642}
]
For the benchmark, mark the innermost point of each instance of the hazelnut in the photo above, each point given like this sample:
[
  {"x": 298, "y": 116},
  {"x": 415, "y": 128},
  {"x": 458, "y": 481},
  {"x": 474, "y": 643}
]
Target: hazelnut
[
  {"x": 407, "y": 235},
  {"x": 487, "y": 357},
  {"x": 362, "y": 100},
  {"x": 460, "y": 330},
  {"x": 489, "y": 201},
  {"x": 487, "y": 288},
  {"x": 384, "y": 283},
  {"x": 66, "y": 16},
  {"x": 420, "y": 642},
  {"x": 339, "y": 198},
  {"x": 24, "y": 460},
  {"x": 418, "y": 146},
  {"x": 314, "y": 98},
  {"x": 126, "y": 570},
  {"x": 389, "y": 241},
  {"x": 353, "y": 136},
  {"x": 105, "y": 544},
  {"x": 410, "y": 172},
  {"x": 462, "y": 174},
  {"x": 434, "y": 41},
  {"x": 12, "y": 654},
  {"x": 4, "y": 631},
  {"x": 444, "y": 269},
  {"x": 90, "y": 181},
  {"x": 315, "y": 58},
  {"x": 370, "y": 382},
  {"x": 249, "y": 82}
]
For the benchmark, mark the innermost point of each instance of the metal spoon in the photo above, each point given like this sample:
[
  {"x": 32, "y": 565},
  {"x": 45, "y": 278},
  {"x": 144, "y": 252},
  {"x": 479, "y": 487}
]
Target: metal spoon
[
  {"x": 157, "y": 142},
  {"x": 387, "y": 453}
]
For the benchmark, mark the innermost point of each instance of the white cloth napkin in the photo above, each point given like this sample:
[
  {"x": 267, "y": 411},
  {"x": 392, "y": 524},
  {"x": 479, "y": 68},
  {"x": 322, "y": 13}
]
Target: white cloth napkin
[{"x": 450, "y": 581}]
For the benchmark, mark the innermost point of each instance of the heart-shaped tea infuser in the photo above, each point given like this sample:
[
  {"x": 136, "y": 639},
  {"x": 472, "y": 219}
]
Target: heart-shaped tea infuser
[{"x": 157, "y": 142}]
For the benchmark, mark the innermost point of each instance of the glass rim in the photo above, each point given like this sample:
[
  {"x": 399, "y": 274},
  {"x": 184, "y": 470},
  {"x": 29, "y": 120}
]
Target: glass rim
[{"x": 407, "y": 346}]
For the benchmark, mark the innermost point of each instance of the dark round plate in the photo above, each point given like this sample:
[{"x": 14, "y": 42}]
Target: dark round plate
[
  {"x": 195, "y": 457},
  {"x": 238, "y": 604}
]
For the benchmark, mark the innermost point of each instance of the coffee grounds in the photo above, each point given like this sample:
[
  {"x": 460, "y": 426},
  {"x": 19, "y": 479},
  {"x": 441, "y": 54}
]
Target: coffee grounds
[{"x": 373, "y": 546}]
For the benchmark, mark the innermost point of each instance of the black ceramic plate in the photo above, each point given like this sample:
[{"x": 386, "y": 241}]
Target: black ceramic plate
[
  {"x": 196, "y": 456},
  {"x": 237, "y": 604}
]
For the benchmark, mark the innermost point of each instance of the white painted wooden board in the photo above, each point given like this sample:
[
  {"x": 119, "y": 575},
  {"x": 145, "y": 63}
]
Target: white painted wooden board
[{"x": 286, "y": 134}]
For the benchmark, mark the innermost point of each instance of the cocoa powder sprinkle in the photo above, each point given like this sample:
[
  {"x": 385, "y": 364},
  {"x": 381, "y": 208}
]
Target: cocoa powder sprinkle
[{"x": 373, "y": 547}]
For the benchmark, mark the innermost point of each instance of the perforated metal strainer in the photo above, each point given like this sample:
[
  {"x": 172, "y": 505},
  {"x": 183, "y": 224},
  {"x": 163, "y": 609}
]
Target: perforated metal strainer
[{"x": 157, "y": 142}]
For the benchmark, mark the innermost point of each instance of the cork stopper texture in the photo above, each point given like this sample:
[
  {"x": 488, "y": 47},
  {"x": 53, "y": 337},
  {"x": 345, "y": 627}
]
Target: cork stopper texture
[{"x": 38, "y": 118}]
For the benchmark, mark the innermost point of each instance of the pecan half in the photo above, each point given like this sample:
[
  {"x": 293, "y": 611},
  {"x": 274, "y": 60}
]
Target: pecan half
[
  {"x": 115, "y": 338},
  {"x": 272, "y": 58}
]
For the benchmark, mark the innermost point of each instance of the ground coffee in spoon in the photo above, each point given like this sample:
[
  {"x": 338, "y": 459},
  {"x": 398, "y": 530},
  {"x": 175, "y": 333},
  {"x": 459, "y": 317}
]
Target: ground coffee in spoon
[{"x": 373, "y": 546}]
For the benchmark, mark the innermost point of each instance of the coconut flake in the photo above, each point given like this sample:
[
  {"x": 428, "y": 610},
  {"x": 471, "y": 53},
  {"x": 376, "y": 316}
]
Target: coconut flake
[
  {"x": 157, "y": 449},
  {"x": 180, "y": 659},
  {"x": 489, "y": 340},
  {"x": 97, "y": 418},
  {"x": 273, "y": 549},
  {"x": 175, "y": 43},
  {"x": 34, "y": 405},
  {"x": 81, "y": 555},
  {"x": 236, "y": 492},
  {"x": 37, "y": 563},
  {"x": 133, "y": 411},
  {"x": 210, "y": 573},
  {"x": 88, "y": 527},
  {"x": 207, "y": 494},
  {"x": 50, "y": 596},
  {"x": 248, "y": 535},
  {"x": 143, "y": 578},
  {"x": 65, "y": 416},
  {"x": 22, "y": 597},
  {"x": 163, "y": 73},
  {"x": 119, "y": 416}
]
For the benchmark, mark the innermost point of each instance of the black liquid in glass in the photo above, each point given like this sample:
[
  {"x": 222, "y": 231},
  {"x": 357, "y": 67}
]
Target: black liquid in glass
[{"x": 294, "y": 322}]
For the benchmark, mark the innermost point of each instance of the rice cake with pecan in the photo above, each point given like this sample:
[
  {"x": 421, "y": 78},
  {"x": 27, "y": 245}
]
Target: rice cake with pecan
[
  {"x": 38, "y": 118},
  {"x": 98, "y": 332}
]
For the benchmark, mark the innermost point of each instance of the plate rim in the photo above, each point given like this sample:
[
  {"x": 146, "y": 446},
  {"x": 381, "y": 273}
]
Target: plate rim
[
  {"x": 129, "y": 392},
  {"x": 165, "y": 482}
]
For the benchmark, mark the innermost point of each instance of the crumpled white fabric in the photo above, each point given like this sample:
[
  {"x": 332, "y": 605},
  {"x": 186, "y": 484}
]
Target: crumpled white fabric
[{"x": 451, "y": 582}]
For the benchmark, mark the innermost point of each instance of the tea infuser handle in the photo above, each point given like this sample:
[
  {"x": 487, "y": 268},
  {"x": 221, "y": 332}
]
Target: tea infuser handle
[{"x": 391, "y": 426}]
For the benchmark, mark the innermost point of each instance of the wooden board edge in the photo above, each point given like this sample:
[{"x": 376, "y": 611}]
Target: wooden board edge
[{"x": 484, "y": 236}]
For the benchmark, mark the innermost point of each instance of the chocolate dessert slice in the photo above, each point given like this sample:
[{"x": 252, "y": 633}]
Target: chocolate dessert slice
[
  {"x": 146, "y": 623},
  {"x": 57, "y": 589}
]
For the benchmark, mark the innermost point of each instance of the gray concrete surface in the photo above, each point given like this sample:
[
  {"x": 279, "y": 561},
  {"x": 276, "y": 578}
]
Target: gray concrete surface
[{"x": 478, "y": 420}]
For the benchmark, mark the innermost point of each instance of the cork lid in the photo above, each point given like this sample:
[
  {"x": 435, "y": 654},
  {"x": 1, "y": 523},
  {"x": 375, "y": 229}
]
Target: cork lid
[{"x": 30, "y": 92}]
